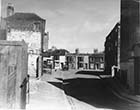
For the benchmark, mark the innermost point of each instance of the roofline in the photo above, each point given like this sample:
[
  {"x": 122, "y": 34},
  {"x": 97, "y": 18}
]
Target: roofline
[{"x": 25, "y": 13}]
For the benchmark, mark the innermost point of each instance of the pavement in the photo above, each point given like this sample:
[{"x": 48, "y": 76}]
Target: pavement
[
  {"x": 45, "y": 96},
  {"x": 119, "y": 90}
]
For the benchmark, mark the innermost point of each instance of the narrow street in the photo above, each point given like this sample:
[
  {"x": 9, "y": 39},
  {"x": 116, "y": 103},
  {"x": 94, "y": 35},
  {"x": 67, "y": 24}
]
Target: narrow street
[
  {"x": 70, "y": 55},
  {"x": 89, "y": 92},
  {"x": 74, "y": 90}
]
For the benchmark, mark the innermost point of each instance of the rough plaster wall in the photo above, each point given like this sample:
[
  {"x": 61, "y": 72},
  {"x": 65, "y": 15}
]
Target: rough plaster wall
[{"x": 33, "y": 39}]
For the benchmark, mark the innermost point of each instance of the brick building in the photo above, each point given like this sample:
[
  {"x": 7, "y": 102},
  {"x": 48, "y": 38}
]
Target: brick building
[{"x": 112, "y": 49}]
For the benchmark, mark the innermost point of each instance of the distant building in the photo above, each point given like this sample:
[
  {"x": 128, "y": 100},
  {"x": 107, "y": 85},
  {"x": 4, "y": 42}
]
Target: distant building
[
  {"x": 71, "y": 61},
  {"x": 82, "y": 61},
  {"x": 96, "y": 61},
  {"x": 79, "y": 60},
  {"x": 30, "y": 28},
  {"x": 112, "y": 49},
  {"x": 57, "y": 56}
]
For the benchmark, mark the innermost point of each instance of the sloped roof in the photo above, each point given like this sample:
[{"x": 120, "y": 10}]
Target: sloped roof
[
  {"x": 23, "y": 21},
  {"x": 57, "y": 52},
  {"x": 24, "y": 16}
]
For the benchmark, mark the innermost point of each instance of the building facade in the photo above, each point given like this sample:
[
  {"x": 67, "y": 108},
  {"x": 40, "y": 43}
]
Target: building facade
[
  {"x": 30, "y": 28},
  {"x": 130, "y": 44},
  {"x": 94, "y": 61},
  {"x": 112, "y": 49},
  {"x": 71, "y": 61},
  {"x": 58, "y": 58}
]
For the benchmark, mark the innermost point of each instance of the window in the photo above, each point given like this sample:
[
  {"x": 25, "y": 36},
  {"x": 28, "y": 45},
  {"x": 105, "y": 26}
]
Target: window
[
  {"x": 101, "y": 59},
  {"x": 81, "y": 58},
  {"x": 80, "y": 65},
  {"x": 36, "y": 27},
  {"x": 92, "y": 59}
]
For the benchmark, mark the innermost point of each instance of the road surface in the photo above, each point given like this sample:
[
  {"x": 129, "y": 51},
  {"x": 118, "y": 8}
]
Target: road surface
[{"x": 89, "y": 92}]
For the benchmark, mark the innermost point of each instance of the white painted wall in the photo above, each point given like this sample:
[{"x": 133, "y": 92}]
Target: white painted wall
[
  {"x": 62, "y": 59},
  {"x": 86, "y": 59}
]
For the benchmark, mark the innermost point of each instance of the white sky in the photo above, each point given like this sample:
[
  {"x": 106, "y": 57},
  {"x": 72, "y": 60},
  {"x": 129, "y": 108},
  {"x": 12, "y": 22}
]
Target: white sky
[{"x": 82, "y": 24}]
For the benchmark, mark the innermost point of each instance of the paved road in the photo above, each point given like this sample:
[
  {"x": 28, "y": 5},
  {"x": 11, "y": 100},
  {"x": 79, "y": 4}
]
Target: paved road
[{"x": 91, "y": 93}]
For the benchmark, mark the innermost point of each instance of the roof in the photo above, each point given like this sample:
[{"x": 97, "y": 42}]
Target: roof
[
  {"x": 101, "y": 54},
  {"x": 97, "y": 55},
  {"x": 24, "y": 16},
  {"x": 57, "y": 52},
  {"x": 23, "y": 21},
  {"x": 79, "y": 54},
  {"x": 113, "y": 30}
]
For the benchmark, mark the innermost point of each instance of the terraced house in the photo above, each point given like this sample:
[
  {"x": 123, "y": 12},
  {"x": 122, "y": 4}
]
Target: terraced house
[{"x": 94, "y": 61}]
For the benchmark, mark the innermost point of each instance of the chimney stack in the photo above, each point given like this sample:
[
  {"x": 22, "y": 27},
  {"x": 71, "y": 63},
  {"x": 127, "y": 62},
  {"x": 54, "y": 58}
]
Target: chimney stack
[
  {"x": 46, "y": 41},
  {"x": 77, "y": 50},
  {"x": 95, "y": 51},
  {"x": 10, "y": 9}
]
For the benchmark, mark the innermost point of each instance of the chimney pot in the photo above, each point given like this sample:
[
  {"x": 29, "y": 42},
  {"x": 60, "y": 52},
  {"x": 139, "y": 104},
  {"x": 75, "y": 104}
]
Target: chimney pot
[{"x": 10, "y": 9}]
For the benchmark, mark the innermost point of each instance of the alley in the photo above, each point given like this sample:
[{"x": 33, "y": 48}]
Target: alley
[{"x": 91, "y": 93}]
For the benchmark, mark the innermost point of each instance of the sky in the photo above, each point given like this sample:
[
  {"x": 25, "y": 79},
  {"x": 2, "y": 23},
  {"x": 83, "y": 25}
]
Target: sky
[{"x": 72, "y": 24}]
